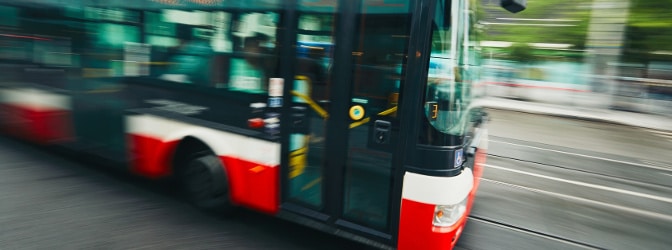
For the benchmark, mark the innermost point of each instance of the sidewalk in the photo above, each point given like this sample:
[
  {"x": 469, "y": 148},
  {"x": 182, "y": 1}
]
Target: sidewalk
[{"x": 648, "y": 121}]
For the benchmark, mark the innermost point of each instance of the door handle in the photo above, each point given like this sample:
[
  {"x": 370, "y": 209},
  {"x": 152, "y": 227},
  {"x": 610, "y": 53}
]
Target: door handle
[{"x": 381, "y": 131}]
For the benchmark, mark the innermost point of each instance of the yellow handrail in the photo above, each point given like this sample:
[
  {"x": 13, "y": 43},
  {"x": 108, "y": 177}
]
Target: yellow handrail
[
  {"x": 324, "y": 114},
  {"x": 306, "y": 98},
  {"x": 312, "y": 104},
  {"x": 388, "y": 111},
  {"x": 365, "y": 120}
]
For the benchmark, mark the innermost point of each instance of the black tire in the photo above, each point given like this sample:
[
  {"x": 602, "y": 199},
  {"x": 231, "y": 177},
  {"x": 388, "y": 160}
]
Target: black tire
[{"x": 205, "y": 184}]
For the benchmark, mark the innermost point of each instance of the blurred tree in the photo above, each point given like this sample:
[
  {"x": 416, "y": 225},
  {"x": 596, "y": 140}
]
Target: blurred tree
[
  {"x": 544, "y": 21},
  {"x": 521, "y": 52},
  {"x": 649, "y": 31}
]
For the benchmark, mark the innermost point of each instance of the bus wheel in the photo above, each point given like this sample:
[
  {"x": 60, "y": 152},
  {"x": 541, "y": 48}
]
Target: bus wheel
[{"x": 205, "y": 184}]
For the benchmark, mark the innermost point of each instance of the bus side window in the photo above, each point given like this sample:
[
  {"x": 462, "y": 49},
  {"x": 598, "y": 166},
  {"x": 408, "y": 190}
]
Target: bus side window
[
  {"x": 251, "y": 71},
  {"x": 192, "y": 62}
]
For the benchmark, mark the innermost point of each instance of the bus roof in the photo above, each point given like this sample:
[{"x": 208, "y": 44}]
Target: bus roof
[{"x": 371, "y": 6}]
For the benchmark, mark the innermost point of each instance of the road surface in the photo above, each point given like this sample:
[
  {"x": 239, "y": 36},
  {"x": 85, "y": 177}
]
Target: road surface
[
  {"x": 557, "y": 183},
  {"x": 549, "y": 183}
]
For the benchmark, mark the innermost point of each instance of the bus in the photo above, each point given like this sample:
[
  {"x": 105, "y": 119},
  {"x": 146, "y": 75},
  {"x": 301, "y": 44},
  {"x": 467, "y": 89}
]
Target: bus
[{"x": 325, "y": 113}]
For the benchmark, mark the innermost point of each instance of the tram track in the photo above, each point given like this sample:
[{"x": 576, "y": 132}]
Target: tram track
[
  {"x": 649, "y": 164},
  {"x": 635, "y": 171},
  {"x": 538, "y": 217},
  {"x": 594, "y": 180},
  {"x": 556, "y": 238},
  {"x": 609, "y": 176},
  {"x": 544, "y": 196},
  {"x": 557, "y": 183}
]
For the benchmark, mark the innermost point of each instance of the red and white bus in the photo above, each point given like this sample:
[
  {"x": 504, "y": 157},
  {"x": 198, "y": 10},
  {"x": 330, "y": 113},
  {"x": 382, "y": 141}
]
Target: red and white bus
[{"x": 355, "y": 117}]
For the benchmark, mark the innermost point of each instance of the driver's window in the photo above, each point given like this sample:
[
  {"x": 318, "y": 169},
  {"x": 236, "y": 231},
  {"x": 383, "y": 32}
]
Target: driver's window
[{"x": 447, "y": 92}]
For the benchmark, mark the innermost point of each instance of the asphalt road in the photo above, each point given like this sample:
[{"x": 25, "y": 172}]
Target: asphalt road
[
  {"x": 550, "y": 183},
  {"x": 557, "y": 183},
  {"x": 51, "y": 201}
]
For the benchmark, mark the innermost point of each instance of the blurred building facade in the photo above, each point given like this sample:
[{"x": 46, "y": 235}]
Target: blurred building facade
[{"x": 601, "y": 54}]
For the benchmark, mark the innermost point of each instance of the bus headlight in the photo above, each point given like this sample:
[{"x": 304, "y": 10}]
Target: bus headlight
[{"x": 448, "y": 215}]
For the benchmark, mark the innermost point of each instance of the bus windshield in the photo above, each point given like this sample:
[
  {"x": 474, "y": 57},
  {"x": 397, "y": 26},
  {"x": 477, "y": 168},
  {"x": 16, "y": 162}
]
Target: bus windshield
[{"x": 448, "y": 81}]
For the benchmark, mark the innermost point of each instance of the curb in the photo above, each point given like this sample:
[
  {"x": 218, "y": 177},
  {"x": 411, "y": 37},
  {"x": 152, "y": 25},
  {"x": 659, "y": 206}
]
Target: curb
[{"x": 589, "y": 118}]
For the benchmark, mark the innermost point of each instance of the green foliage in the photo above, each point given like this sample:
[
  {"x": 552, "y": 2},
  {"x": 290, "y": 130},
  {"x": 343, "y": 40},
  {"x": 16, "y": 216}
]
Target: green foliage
[
  {"x": 649, "y": 29},
  {"x": 521, "y": 52},
  {"x": 570, "y": 26}
]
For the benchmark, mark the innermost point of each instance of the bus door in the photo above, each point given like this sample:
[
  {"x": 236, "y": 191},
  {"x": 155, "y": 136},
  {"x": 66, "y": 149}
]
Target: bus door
[{"x": 344, "y": 115}]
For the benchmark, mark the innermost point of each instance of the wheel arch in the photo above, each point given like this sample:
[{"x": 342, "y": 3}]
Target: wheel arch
[
  {"x": 250, "y": 164},
  {"x": 158, "y": 145},
  {"x": 186, "y": 148},
  {"x": 192, "y": 160},
  {"x": 195, "y": 140}
]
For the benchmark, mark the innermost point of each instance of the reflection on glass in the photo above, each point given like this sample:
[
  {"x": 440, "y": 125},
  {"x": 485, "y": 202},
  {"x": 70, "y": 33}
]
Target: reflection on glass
[
  {"x": 214, "y": 48},
  {"x": 448, "y": 82},
  {"x": 381, "y": 43},
  {"x": 311, "y": 95}
]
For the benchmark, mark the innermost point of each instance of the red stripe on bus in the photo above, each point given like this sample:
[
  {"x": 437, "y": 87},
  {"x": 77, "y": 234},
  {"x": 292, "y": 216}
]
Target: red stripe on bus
[
  {"x": 417, "y": 232},
  {"x": 253, "y": 185},
  {"x": 43, "y": 126},
  {"x": 151, "y": 157}
]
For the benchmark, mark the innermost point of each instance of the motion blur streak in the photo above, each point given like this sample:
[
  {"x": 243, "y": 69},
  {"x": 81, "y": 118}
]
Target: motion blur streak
[
  {"x": 576, "y": 98},
  {"x": 569, "y": 197},
  {"x": 653, "y": 197},
  {"x": 582, "y": 155}
]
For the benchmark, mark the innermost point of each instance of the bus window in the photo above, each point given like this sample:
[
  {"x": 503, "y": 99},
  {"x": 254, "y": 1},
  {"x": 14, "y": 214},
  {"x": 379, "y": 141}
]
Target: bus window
[
  {"x": 255, "y": 58},
  {"x": 182, "y": 41},
  {"x": 234, "y": 51},
  {"x": 107, "y": 31},
  {"x": 311, "y": 91},
  {"x": 447, "y": 94}
]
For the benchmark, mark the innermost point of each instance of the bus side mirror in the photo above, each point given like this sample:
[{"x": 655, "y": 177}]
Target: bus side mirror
[{"x": 513, "y": 6}]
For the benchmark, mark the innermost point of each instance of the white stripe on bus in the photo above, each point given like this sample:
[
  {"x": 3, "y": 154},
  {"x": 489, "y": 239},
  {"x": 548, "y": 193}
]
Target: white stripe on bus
[
  {"x": 437, "y": 190},
  {"x": 222, "y": 143},
  {"x": 35, "y": 98}
]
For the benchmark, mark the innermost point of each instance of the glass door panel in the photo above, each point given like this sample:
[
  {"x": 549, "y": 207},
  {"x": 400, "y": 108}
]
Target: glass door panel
[
  {"x": 380, "y": 46},
  {"x": 310, "y": 101},
  {"x": 361, "y": 157}
]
